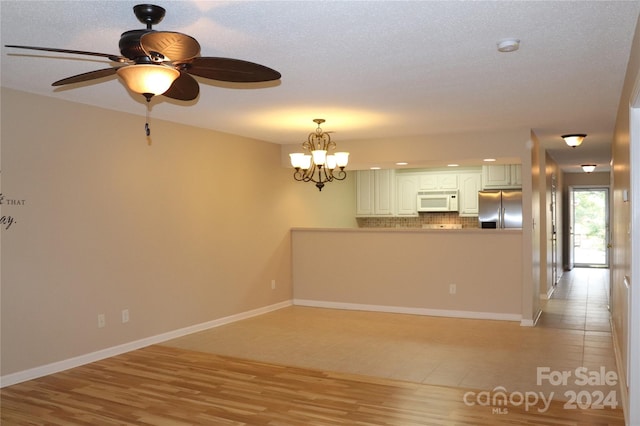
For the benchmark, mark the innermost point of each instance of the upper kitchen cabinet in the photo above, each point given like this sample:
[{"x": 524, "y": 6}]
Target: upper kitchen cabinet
[
  {"x": 375, "y": 192},
  {"x": 502, "y": 176},
  {"x": 470, "y": 185},
  {"x": 407, "y": 192},
  {"x": 438, "y": 181}
]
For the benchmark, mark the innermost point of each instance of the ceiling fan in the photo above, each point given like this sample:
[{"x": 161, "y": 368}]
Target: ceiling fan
[{"x": 163, "y": 62}]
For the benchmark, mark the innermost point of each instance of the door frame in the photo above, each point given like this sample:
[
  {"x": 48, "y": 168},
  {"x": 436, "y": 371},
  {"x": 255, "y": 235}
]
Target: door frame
[
  {"x": 633, "y": 358},
  {"x": 571, "y": 239}
]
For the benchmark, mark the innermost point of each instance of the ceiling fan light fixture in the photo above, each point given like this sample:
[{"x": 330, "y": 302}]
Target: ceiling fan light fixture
[
  {"x": 588, "y": 168},
  {"x": 574, "y": 140},
  {"x": 148, "y": 79}
]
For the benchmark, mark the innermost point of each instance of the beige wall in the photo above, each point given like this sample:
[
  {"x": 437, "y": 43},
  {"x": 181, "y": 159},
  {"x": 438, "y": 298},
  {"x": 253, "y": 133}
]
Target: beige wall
[
  {"x": 532, "y": 239},
  {"x": 179, "y": 232},
  {"x": 510, "y": 146},
  {"x": 466, "y": 149},
  {"x": 547, "y": 265},
  {"x": 412, "y": 269},
  {"x": 560, "y": 224},
  {"x": 585, "y": 179},
  {"x": 620, "y": 223}
]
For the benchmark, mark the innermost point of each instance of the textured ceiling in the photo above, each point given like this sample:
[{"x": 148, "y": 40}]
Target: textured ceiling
[{"x": 371, "y": 69}]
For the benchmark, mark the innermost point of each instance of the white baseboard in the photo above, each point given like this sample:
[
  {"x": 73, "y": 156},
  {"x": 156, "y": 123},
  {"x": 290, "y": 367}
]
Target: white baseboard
[
  {"x": 622, "y": 378},
  {"x": 55, "y": 367},
  {"x": 407, "y": 310},
  {"x": 531, "y": 322},
  {"x": 548, "y": 294}
]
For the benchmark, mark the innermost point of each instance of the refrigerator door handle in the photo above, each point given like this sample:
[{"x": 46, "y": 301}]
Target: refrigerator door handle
[{"x": 502, "y": 212}]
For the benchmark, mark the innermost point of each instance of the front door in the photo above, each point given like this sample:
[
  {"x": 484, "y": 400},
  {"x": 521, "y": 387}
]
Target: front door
[{"x": 589, "y": 227}]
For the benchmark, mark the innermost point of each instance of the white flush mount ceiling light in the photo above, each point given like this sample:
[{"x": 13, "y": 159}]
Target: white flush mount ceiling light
[
  {"x": 574, "y": 140},
  {"x": 508, "y": 45},
  {"x": 588, "y": 168},
  {"x": 317, "y": 146}
]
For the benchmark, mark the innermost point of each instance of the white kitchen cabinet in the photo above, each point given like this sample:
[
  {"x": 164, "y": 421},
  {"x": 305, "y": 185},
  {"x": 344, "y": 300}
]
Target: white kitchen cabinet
[
  {"x": 407, "y": 192},
  {"x": 431, "y": 180},
  {"x": 364, "y": 192},
  {"x": 502, "y": 176},
  {"x": 516, "y": 175},
  {"x": 470, "y": 184},
  {"x": 375, "y": 190}
]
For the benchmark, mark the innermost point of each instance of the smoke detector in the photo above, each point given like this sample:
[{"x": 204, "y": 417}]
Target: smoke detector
[{"x": 508, "y": 45}]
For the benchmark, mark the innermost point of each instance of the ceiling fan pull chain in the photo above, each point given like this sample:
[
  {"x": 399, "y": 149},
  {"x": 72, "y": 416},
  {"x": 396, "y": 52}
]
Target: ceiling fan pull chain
[{"x": 147, "y": 130}]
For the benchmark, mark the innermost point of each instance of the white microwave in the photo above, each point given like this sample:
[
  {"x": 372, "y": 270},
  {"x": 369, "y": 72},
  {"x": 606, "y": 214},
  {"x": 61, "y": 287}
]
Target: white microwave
[{"x": 438, "y": 201}]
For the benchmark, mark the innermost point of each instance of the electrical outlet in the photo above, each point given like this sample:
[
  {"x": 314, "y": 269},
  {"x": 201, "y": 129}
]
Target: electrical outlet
[
  {"x": 273, "y": 284},
  {"x": 125, "y": 315},
  {"x": 452, "y": 289},
  {"x": 102, "y": 321}
]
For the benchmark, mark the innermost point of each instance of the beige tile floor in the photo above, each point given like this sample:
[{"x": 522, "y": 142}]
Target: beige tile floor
[{"x": 573, "y": 331}]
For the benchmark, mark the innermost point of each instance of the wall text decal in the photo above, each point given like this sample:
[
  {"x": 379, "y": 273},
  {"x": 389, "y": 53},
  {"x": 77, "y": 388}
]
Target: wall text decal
[
  {"x": 11, "y": 201},
  {"x": 7, "y": 221}
]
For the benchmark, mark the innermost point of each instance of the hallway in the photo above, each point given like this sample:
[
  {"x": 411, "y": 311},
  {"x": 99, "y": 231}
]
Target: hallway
[{"x": 579, "y": 302}]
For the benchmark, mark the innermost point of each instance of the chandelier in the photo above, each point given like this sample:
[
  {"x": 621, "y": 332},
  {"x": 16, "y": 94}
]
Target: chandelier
[{"x": 316, "y": 165}]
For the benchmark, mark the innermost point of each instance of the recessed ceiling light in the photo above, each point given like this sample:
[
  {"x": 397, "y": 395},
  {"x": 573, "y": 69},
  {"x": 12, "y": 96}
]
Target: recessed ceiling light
[
  {"x": 375, "y": 168},
  {"x": 401, "y": 163},
  {"x": 508, "y": 45},
  {"x": 453, "y": 165},
  {"x": 489, "y": 159}
]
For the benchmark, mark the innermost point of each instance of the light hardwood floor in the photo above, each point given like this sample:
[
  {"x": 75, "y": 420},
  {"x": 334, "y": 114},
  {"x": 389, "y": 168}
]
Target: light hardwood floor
[
  {"x": 160, "y": 385},
  {"x": 305, "y": 366}
]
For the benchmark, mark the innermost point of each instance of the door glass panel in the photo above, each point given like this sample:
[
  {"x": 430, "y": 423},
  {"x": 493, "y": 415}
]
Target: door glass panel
[{"x": 590, "y": 227}]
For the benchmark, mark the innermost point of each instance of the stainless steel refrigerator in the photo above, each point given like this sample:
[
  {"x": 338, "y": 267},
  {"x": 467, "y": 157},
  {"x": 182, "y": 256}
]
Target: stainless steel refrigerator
[{"x": 499, "y": 209}]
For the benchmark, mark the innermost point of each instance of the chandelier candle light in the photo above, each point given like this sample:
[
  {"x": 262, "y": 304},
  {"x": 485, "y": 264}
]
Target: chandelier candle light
[{"x": 317, "y": 158}]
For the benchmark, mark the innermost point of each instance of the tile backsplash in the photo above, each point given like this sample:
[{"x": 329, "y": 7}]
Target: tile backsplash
[{"x": 417, "y": 222}]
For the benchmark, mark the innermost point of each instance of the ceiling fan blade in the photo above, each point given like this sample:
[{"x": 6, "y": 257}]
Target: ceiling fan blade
[
  {"x": 232, "y": 70},
  {"x": 184, "y": 88},
  {"x": 91, "y": 75},
  {"x": 114, "y": 58},
  {"x": 172, "y": 45}
]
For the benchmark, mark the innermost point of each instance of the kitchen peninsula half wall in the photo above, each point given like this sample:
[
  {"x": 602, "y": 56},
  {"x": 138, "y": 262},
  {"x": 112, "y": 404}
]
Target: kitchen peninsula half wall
[{"x": 466, "y": 273}]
